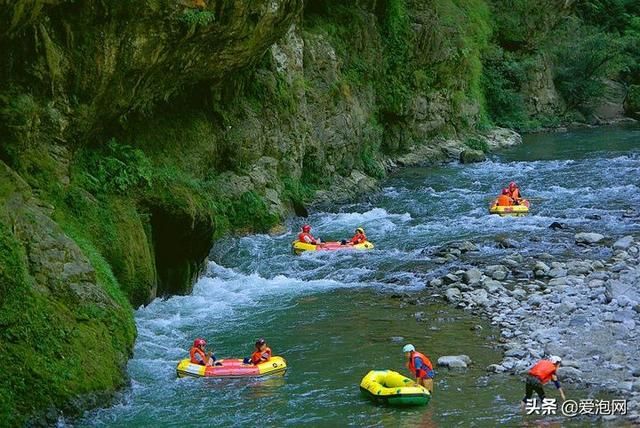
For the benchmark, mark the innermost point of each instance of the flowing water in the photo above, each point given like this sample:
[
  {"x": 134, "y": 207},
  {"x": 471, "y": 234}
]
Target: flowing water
[{"x": 336, "y": 316}]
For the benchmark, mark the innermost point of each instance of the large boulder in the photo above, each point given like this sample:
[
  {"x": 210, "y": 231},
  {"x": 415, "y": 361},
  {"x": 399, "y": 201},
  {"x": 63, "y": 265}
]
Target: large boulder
[
  {"x": 472, "y": 276},
  {"x": 471, "y": 156}
]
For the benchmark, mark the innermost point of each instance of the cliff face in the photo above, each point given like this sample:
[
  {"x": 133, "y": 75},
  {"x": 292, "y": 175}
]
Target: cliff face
[{"x": 132, "y": 134}]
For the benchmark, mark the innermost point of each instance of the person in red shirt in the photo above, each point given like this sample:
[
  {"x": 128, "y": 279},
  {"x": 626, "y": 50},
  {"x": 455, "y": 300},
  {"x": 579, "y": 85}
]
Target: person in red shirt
[
  {"x": 420, "y": 366},
  {"x": 306, "y": 236},
  {"x": 359, "y": 237},
  {"x": 541, "y": 373},
  {"x": 198, "y": 354},
  {"x": 262, "y": 352}
]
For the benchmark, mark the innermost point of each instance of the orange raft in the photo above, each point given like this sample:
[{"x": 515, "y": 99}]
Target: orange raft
[{"x": 233, "y": 368}]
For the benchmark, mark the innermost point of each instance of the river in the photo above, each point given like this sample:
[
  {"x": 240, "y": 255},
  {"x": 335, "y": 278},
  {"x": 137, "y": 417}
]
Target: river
[{"x": 336, "y": 316}]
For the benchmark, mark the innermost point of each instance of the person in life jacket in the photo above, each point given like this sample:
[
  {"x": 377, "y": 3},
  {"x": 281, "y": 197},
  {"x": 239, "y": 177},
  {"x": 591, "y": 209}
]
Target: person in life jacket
[
  {"x": 305, "y": 236},
  {"x": 359, "y": 237},
  {"x": 420, "y": 366},
  {"x": 199, "y": 355},
  {"x": 504, "y": 200},
  {"x": 541, "y": 373},
  {"x": 514, "y": 192},
  {"x": 262, "y": 352}
]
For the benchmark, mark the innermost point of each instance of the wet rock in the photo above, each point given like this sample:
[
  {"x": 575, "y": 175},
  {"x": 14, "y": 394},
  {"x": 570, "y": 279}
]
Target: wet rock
[
  {"x": 499, "y": 275},
  {"x": 593, "y": 217},
  {"x": 557, "y": 273},
  {"x": 569, "y": 374},
  {"x": 496, "y": 368},
  {"x": 516, "y": 353},
  {"x": 435, "y": 282},
  {"x": 535, "y": 300},
  {"x": 453, "y": 294},
  {"x": 623, "y": 243},
  {"x": 541, "y": 266},
  {"x": 479, "y": 297},
  {"x": 450, "y": 278},
  {"x": 492, "y": 287},
  {"x": 471, "y": 156},
  {"x": 503, "y": 242},
  {"x": 467, "y": 246},
  {"x": 519, "y": 293},
  {"x": 588, "y": 238},
  {"x": 472, "y": 276},
  {"x": 556, "y": 225},
  {"x": 454, "y": 361}
]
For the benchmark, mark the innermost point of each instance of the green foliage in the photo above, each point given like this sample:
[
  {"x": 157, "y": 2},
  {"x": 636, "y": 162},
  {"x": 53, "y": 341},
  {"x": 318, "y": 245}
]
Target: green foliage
[
  {"x": 296, "y": 191},
  {"x": 197, "y": 18},
  {"x": 584, "y": 58},
  {"x": 632, "y": 101},
  {"x": 250, "y": 212},
  {"x": 477, "y": 144},
  {"x": 117, "y": 168}
]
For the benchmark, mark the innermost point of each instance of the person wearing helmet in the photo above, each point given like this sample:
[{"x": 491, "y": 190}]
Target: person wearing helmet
[
  {"x": 262, "y": 352},
  {"x": 306, "y": 236},
  {"x": 504, "y": 200},
  {"x": 420, "y": 366},
  {"x": 541, "y": 373},
  {"x": 199, "y": 355},
  {"x": 359, "y": 237}
]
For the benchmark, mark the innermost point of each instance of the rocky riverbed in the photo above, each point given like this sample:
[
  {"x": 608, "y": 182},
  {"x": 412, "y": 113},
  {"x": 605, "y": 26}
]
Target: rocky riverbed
[{"x": 585, "y": 309}]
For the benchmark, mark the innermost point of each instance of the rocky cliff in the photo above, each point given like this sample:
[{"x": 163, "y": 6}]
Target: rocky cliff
[{"x": 132, "y": 134}]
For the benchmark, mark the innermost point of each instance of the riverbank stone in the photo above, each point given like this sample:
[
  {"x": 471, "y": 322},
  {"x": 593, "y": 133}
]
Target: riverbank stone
[
  {"x": 454, "y": 361},
  {"x": 588, "y": 238},
  {"x": 623, "y": 243}
]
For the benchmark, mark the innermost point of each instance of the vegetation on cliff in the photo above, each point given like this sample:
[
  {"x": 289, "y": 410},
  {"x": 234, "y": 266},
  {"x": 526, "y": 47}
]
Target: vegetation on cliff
[{"x": 134, "y": 134}]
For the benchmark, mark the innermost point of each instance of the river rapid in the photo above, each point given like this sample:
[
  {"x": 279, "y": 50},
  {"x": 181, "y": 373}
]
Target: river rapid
[{"x": 336, "y": 316}]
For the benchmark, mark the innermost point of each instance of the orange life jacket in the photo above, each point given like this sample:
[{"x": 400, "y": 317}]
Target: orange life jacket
[
  {"x": 504, "y": 201},
  {"x": 306, "y": 237},
  {"x": 358, "y": 238},
  {"x": 258, "y": 356},
  {"x": 198, "y": 351},
  {"x": 543, "y": 370},
  {"x": 411, "y": 365}
]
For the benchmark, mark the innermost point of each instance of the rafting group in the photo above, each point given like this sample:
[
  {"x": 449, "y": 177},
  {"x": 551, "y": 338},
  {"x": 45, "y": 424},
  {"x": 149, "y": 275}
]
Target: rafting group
[{"x": 386, "y": 386}]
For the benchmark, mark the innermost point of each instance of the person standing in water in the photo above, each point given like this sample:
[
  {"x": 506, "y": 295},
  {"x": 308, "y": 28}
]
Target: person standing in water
[
  {"x": 538, "y": 375},
  {"x": 420, "y": 366}
]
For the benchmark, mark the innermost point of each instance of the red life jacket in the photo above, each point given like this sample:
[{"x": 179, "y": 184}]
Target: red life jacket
[
  {"x": 258, "y": 356},
  {"x": 358, "y": 238},
  {"x": 411, "y": 365},
  {"x": 543, "y": 370},
  {"x": 306, "y": 237},
  {"x": 200, "y": 352}
]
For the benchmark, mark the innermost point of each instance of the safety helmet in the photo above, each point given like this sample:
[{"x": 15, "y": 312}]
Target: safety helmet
[
  {"x": 555, "y": 359},
  {"x": 260, "y": 342},
  {"x": 199, "y": 342},
  {"x": 361, "y": 230},
  {"x": 306, "y": 228},
  {"x": 408, "y": 348}
]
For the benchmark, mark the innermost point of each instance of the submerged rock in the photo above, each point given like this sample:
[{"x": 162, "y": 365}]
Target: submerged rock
[{"x": 623, "y": 243}]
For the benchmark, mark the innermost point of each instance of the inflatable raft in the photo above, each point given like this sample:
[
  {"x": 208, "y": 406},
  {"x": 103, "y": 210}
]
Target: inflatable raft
[
  {"x": 301, "y": 247},
  {"x": 389, "y": 387},
  {"x": 513, "y": 210},
  {"x": 232, "y": 368}
]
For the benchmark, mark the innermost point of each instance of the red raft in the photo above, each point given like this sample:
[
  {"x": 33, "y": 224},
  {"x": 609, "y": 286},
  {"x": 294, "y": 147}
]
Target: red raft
[{"x": 232, "y": 368}]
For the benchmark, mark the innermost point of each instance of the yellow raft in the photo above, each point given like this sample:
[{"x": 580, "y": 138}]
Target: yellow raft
[
  {"x": 389, "y": 387},
  {"x": 513, "y": 210},
  {"x": 301, "y": 247},
  {"x": 232, "y": 368}
]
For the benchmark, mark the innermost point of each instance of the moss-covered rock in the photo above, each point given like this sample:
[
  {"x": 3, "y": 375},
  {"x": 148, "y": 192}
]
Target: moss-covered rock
[{"x": 632, "y": 102}]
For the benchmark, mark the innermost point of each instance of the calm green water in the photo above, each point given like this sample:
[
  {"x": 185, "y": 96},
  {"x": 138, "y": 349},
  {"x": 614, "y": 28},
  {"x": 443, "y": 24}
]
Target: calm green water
[{"x": 336, "y": 316}]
